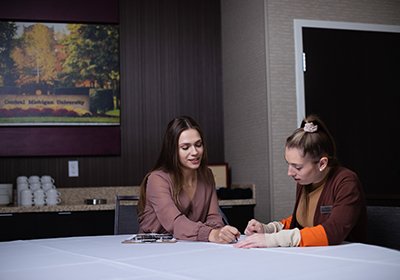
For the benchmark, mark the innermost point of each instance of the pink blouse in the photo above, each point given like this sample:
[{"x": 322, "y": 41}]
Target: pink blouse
[{"x": 199, "y": 216}]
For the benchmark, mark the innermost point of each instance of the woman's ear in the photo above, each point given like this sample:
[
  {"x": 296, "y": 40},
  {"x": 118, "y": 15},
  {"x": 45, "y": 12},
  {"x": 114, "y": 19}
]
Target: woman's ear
[{"x": 323, "y": 163}]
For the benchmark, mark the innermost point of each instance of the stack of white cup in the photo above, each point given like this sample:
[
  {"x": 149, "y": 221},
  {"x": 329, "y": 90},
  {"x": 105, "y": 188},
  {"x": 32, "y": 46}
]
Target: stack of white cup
[
  {"x": 5, "y": 194},
  {"x": 24, "y": 194},
  {"x": 37, "y": 191}
]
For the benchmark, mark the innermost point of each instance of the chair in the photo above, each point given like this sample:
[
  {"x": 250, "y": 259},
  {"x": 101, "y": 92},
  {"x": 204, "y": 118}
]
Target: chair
[
  {"x": 224, "y": 217},
  {"x": 384, "y": 226},
  {"x": 126, "y": 219}
]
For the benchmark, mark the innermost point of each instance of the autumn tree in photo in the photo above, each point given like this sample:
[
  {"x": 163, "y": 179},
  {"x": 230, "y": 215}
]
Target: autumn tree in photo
[
  {"x": 34, "y": 55},
  {"x": 92, "y": 56}
]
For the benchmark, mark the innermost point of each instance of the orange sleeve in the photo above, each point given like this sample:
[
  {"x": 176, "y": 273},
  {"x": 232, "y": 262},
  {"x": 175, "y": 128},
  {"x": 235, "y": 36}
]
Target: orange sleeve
[
  {"x": 286, "y": 222},
  {"x": 313, "y": 236}
]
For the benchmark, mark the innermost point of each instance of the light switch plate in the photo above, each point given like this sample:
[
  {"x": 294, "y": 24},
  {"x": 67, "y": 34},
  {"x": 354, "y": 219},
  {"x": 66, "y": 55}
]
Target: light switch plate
[{"x": 73, "y": 168}]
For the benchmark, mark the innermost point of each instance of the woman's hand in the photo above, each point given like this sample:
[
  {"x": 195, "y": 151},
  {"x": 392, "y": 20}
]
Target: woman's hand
[
  {"x": 283, "y": 238},
  {"x": 226, "y": 234},
  {"x": 256, "y": 240},
  {"x": 254, "y": 226}
]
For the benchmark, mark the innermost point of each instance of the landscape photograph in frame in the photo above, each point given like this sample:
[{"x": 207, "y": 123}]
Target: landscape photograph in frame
[{"x": 59, "y": 74}]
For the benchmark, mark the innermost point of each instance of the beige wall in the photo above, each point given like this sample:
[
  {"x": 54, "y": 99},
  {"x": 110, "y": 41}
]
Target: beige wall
[{"x": 259, "y": 85}]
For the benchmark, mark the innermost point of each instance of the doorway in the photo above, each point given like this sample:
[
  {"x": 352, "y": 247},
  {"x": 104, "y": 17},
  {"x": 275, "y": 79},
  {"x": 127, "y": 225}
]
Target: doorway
[{"x": 350, "y": 78}]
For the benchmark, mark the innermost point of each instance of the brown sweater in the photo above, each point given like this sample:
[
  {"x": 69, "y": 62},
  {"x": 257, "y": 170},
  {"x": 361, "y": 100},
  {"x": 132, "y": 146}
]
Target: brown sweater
[
  {"x": 340, "y": 209},
  {"x": 197, "y": 218}
]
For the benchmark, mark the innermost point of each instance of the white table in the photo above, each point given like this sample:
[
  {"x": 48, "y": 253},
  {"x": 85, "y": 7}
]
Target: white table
[{"x": 105, "y": 257}]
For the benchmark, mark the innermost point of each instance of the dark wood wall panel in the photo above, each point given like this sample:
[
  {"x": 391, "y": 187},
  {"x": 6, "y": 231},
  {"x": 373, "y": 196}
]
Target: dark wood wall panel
[
  {"x": 62, "y": 10},
  {"x": 176, "y": 70},
  {"x": 170, "y": 66},
  {"x": 60, "y": 141}
]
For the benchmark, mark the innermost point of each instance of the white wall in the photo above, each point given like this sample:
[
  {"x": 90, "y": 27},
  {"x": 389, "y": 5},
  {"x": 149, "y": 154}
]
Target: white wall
[{"x": 259, "y": 85}]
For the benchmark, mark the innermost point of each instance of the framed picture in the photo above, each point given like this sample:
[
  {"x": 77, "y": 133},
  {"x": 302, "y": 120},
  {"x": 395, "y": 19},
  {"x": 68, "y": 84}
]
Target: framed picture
[
  {"x": 220, "y": 172},
  {"x": 59, "y": 88},
  {"x": 55, "y": 74}
]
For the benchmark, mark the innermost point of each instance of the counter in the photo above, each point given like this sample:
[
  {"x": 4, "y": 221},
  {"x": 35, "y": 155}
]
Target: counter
[
  {"x": 74, "y": 218},
  {"x": 73, "y": 199}
]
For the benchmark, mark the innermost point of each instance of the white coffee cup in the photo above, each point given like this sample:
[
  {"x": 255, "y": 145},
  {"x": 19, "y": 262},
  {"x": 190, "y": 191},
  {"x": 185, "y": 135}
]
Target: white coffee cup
[
  {"x": 35, "y": 186},
  {"x": 22, "y": 179},
  {"x": 53, "y": 197},
  {"x": 46, "y": 179},
  {"x": 52, "y": 200},
  {"x": 21, "y": 187},
  {"x": 39, "y": 200},
  {"x": 39, "y": 193},
  {"x": 48, "y": 186},
  {"x": 34, "y": 179},
  {"x": 26, "y": 197},
  {"x": 52, "y": 193}
]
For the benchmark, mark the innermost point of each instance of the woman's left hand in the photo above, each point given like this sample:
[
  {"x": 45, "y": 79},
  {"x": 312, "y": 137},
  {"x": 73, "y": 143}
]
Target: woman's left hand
[
  {"x": 256, "y": 240},
  {"x": 283, "y": 238}
]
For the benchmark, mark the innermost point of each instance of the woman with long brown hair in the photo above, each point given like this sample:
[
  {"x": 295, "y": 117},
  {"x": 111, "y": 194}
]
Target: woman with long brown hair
[{"x": 178, "y": 196}]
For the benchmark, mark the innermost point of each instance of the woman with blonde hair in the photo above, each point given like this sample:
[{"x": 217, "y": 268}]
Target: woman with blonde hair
[{"x": 330, "y": 204}]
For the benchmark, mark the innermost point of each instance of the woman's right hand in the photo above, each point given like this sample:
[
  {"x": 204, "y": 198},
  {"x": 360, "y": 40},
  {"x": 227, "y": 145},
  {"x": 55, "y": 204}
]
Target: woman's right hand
[
  {"x": 226, "y": 234},
  {"x": 254, "y": 226}
]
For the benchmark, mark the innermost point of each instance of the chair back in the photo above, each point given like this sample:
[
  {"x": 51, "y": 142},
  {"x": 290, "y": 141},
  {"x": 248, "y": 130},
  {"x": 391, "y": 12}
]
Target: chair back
[
  {"x": 224, "y": 217},
  {"x": 384, "y": 226},
  {"x": 126, "y": 218}
]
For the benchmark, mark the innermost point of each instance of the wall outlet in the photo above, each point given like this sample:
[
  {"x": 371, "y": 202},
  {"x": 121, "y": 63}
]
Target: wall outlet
[{"x": 73, "y": 168}]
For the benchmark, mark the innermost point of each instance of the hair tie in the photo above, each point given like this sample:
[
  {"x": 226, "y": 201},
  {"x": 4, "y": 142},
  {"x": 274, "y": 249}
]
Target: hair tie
[{"x": 310, "y": 127}]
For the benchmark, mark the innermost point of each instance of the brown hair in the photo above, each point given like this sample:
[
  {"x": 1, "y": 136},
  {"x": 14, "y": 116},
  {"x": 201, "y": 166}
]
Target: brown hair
[
  {"x": 316, "y": 144},
  {"x": 168, "y": 159},
  {"x": 314, "y": 139}
]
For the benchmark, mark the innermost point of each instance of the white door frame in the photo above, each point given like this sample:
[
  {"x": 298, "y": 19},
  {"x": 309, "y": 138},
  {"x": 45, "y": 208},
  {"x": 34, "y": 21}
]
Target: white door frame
[{"x": 298, "y": 49}]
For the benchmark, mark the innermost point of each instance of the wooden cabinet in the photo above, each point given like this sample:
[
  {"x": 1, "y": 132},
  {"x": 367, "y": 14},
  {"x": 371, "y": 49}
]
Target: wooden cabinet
[{"x": 17, "y": 226}]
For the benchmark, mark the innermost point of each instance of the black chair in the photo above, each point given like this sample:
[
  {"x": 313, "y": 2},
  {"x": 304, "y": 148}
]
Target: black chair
[
  {"x": 126, "y": 219},
  {"x": 224, "y": 217},
  {"x": 384, "y": 226}
]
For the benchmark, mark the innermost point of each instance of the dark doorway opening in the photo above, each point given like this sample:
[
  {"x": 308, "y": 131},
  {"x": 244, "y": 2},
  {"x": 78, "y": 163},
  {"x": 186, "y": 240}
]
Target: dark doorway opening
[{"x": 352, "y": 81}]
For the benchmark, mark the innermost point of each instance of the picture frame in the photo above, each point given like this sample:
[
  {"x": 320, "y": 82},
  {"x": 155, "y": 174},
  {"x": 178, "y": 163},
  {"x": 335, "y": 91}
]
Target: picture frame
[
  {"x": 45, "y": 117},
  {"x": 220, "y": 172},
  {"x": 50, "y": 75}
]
